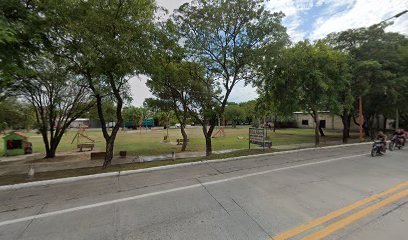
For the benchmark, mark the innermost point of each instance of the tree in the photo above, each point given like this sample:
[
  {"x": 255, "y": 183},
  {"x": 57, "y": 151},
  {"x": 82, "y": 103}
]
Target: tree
[
  {"x": 58, "y": 97},
  {"x": 16, "y": 114},
  {"x": 225, "y": 37},
  {"x": 109, "y": 42},
  {"x": 234, "y": 113},
  {"x": 249, "y": 108},
  {"x": 22, "y": 35},
  {"x": 108, "y": 109},
  {"x": 306, "y": 77},
  {"x": 168, "y": 78},
  {"x": 378, "y": 71}
]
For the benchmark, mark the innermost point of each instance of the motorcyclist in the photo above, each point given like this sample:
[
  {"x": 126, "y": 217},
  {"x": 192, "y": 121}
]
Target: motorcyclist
[
  {"x": 381, "y": 137},
  {"x": 399, "y": 133},
  {"x": 404, "y": 135}
]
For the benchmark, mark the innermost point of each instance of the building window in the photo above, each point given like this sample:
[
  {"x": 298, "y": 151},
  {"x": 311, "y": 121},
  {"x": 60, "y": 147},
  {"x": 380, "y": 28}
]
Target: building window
[
  {"x": 305, "y": 122},
  {"x": 322, "y": 123}
]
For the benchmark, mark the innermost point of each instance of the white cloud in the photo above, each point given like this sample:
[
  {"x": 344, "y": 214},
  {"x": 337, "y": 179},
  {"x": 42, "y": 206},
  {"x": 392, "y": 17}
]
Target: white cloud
[
  {"x": 242, "y": 93},
  {"x": 292, "y": 10},
  {"x": 362, "y": 14}
]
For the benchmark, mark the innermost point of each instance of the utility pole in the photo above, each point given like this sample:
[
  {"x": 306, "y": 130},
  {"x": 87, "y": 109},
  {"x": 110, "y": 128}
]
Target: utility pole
[{"x": 360, "y": 118}]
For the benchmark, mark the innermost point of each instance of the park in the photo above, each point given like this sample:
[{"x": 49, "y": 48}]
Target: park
[
  {"x": 203, "y": 119},
  {"x": 314, "y": 93}
]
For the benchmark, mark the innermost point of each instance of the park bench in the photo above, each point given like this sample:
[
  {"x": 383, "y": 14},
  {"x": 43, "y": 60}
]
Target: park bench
[
  {"x": 85, "y": 145},
  {"x": 180, "y": 141}
]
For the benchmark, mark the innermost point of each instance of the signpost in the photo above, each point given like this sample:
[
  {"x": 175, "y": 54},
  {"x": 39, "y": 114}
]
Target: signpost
[{"x": 257, "y": 136}]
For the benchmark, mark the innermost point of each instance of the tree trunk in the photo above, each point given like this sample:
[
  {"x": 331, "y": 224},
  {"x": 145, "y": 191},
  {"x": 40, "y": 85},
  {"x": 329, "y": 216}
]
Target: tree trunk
[
  {"x": 207, "y": 135},
  {"x": 54, "y": 142},
  {"x": 275, "y": 121},
  {"x": 208, "y": 146},
  {"x": 315, "y": 116},
  {"x": 50, "y": 153},
  {"x": 185, "y": 139},
  {"x": 109, "y": 151},
  {"x": 346, "y": 120}
]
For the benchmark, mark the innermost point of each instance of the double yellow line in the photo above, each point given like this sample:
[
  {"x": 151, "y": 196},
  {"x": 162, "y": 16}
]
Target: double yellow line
[{"x": 331, "y": 228}]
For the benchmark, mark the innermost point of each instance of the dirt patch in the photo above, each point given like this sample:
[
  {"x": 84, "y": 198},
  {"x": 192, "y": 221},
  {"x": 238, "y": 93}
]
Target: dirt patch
[{"x": 63, "y": 157}]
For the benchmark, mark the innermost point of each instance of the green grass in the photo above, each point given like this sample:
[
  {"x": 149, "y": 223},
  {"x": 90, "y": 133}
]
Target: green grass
[{"x": 150, "y": 142}]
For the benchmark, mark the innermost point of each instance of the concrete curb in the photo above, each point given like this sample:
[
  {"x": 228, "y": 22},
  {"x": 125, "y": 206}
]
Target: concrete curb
[{"x": 128, "y": 172}]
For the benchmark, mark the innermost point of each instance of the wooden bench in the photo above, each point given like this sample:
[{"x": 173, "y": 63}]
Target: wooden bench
[
  {"x": 180, "y": 141},
  {"x": 85, "y": 145}
]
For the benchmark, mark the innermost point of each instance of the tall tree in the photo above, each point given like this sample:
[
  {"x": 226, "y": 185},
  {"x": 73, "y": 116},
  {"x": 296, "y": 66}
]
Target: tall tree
[
  {"x": 58, "y": 97},
  {"x": 377, "y": 64},
  {"x": 109, "y": 42},
  {"x": 16, "y": 114},
  {"x": 235, "y": 114},
  {"x": 306, "y": 77},
  {"x": 168, "y": 76},
  {"x": 23, "y": 33},
  {"x": 225, "y": 37}
]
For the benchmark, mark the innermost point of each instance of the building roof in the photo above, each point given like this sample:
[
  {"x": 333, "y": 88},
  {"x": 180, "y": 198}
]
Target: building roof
[
  {"x": 308, "y": 113},
  {"x": 12, "y": 135},
  {"x": 21, "y": 134}
]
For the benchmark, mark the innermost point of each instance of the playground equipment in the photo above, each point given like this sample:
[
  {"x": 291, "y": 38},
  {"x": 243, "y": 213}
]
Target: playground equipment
[
  {"x": 220, "y": 132},
  {"x": 16, "y": 143},
  {"x": 81, "y": 136},
  {"x": 145, "y": 122}
]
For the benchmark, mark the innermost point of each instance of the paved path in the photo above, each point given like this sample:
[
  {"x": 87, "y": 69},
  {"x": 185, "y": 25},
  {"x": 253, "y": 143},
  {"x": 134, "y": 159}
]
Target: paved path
[{"x": 331, "y": 193}]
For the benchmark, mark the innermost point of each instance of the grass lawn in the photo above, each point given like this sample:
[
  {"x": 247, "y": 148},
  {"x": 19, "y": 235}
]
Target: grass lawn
[{"x": 150, "y": 142}]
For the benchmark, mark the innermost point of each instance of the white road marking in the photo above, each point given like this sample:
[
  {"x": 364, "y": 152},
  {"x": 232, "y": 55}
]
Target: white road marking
[{"x": 74, "y": 209}]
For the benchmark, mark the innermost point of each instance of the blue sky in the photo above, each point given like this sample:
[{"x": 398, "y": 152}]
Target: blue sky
[{"x": 307, "y": 19}]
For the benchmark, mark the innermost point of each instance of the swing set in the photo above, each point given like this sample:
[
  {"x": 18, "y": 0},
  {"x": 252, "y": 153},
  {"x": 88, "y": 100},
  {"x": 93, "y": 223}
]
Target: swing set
[{"x": 83, "y": 140}]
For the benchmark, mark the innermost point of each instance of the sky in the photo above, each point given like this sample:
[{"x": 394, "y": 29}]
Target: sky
[{"x": 306, "y": 19}]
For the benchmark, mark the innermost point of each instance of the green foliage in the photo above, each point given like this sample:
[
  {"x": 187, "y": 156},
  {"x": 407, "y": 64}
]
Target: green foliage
[
  {"x": 22, "y": 35},
  {"x": 108, "y": 109},
  {"x": 108, "y": 42},
  {"x": 16, "y": 114},
  {"x": 379, "y": 70},
  {"x": 307, "y": 77},
  {"x": 234, "y": 113},
  {"x": 227, "y": 36},
  {"x": 57, "y": 96}
]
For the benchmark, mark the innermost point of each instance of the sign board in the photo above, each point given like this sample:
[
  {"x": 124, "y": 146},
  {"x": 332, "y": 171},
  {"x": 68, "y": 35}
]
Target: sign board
[{"x": 257, "y": 136}]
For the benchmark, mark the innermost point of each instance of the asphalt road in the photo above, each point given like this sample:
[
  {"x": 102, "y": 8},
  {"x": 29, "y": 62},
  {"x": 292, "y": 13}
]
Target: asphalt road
[{"x": 338, "y": 193}]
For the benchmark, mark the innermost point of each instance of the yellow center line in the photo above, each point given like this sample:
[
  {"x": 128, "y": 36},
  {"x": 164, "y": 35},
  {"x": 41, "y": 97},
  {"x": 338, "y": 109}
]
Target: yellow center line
[
  {"x": 354, "y": 217},
  {"x": 318, "y": 221}
]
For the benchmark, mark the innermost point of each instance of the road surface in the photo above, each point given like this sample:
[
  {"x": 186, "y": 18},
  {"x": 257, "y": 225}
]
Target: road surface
[{"x": 337, "y": 193}]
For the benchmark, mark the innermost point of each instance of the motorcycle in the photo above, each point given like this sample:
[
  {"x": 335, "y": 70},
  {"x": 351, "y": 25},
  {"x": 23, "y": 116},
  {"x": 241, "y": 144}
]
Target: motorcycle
[
  {"x": 378, "y": 148},
  {"x": 396, "y": 142}
]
